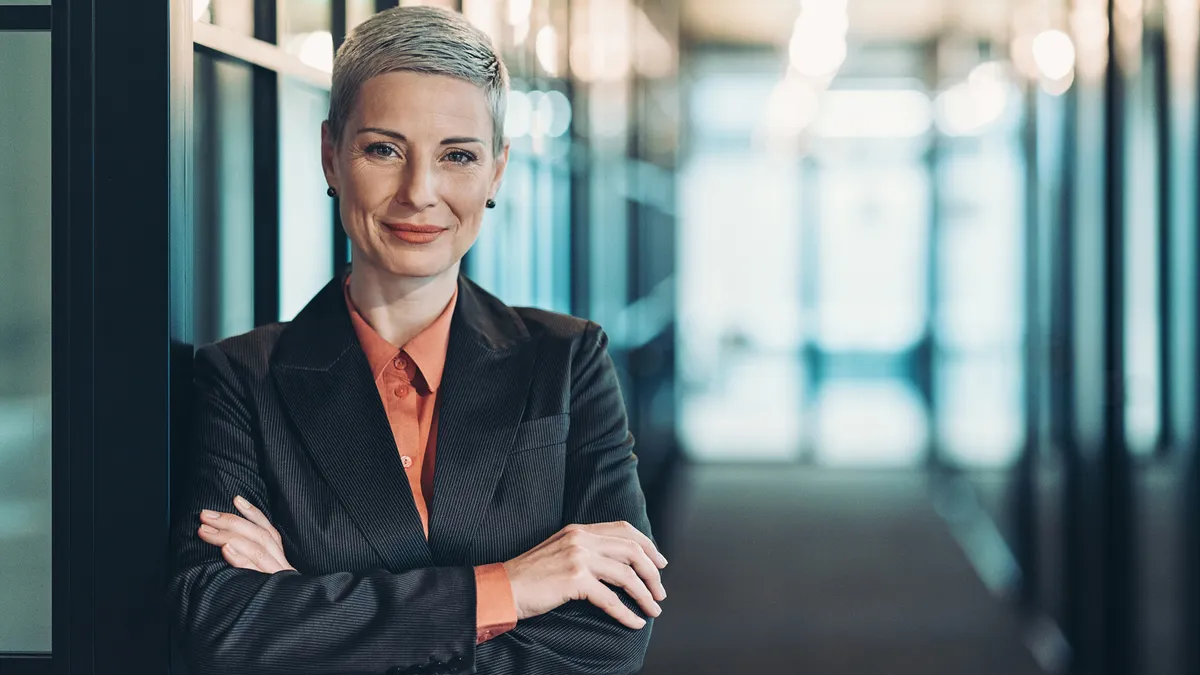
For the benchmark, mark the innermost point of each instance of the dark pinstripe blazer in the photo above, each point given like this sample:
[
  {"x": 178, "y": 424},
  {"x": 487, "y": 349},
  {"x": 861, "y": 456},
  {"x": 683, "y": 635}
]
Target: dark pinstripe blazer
[{"x": 532, "y": 435}]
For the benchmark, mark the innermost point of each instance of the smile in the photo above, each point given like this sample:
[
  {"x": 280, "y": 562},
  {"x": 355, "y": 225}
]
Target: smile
[{"x": 414, "y": 234}]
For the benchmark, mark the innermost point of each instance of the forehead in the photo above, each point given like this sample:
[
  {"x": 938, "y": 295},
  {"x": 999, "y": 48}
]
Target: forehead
[{"x": 417, "y": 103}]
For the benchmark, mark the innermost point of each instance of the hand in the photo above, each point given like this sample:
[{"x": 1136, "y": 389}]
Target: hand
[
  {"x": 572, "y": 564},
  {"x": 249, "y": 543}
]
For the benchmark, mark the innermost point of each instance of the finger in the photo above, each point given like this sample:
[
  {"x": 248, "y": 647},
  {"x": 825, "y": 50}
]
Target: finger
[
  {"x": 603, "y": 597},
  {"x": 630, "y": 553},
  {"x": 253, "y": 556},
  {"x": 257, "y": 517},
  {"x": 214, "y": 536},
  {"x": 236, "y": 559},
  {"x": 625, "y": 530},
  {"x": 619, "y": 574},
  {"x": 239, "y": 527}
]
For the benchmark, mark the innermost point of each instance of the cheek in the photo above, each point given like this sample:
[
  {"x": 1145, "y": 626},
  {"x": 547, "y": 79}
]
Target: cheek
[
  {"x": 466, "y": 195},
  {"x": 371, "y": 185}
]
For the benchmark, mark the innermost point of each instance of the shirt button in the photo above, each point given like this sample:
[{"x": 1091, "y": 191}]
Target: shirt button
[
  {"x": 401, "y": 391},
  {"x": 400, "y": 363},
  {"x": 406, "y": 461}
]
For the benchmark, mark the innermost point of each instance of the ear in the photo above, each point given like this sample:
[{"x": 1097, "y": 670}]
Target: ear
[
  {"x": 501, "y": 165},
  {"x": 328, "y": 153}
]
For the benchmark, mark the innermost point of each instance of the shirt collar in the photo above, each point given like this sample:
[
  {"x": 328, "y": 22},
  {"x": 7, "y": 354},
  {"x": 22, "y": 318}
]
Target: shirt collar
[{"x": 427, "y": 350}]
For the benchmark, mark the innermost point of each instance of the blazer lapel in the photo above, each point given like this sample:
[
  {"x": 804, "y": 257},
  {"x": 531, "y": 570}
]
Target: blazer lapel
[
  {"x": 480, "y": 404},
  {"x": 323, "y": 377}
]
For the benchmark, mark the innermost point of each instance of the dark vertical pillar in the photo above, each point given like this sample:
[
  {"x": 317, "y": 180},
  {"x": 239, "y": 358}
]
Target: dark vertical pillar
[
  {"x": 1063, "y": 404},
  {"x": 1024, "y": 495},
  {"x": 341, "y": 243},
  {"x": 266, "y": 173},
  {"x": 1166, "y": 288},
  {"x": 74, "y": 394},
  {"x": 1115, "y": 481},
  {"x": 140, "y": 290}
]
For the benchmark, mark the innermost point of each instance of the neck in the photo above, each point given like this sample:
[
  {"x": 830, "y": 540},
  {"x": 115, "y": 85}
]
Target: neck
[{"x": 399, "y": 308}]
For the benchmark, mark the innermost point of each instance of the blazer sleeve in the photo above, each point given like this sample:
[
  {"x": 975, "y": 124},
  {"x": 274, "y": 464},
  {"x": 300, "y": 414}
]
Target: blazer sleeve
[
  {"x": 602, "y": 485},
  {"x": 233, "y": 621}
]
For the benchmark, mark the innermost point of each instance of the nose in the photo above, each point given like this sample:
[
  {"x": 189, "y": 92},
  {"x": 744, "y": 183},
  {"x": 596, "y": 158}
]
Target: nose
[{"x": 418, "y": 186}]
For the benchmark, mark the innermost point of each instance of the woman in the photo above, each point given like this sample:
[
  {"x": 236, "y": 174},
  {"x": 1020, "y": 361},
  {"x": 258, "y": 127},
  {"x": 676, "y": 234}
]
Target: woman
[{"x": 527, "y": 549}]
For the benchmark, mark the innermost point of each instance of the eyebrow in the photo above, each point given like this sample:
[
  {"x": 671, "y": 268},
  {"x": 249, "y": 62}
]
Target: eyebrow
[{"x": 453, "y": 140}]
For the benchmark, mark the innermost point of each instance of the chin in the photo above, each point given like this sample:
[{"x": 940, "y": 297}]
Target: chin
[{"x": 418, "y": 264}]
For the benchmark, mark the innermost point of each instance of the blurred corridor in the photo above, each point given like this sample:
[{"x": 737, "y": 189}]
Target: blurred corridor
[{"x": 902, "y": 294}]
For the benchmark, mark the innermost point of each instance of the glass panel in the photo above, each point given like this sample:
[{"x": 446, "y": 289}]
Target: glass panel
[
  {"x": 873, "y": 231},
  {"x": 236, "y": 15},
  {"x": 224, "y": 198},
  {"x": 305, "y": 212},
  {"x": 304, "y": 30},
  {"x": 980, "y": 311},
  {"x": 25, "y": 451},
  {"x": 1142, "y": 354},
  {"x": 1183, "y": 28}
]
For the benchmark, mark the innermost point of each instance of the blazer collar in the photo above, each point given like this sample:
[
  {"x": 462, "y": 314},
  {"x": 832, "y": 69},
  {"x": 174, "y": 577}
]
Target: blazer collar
[
  {"x": 322, "y": 333},
  {"x": 328, "y": 391}
]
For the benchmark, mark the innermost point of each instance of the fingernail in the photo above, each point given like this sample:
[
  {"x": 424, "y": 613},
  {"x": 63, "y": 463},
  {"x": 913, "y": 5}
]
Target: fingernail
[
  {"x": 657, "y": 610},
  {"x": 231, "y": 549},
  {"x": 641, "y": 622},
  {"x": 661, "y": 560},
  {"x": 208, "y": 530},
  {"x": 241, "y": 502},
  {"x": 208, "y": 515}
]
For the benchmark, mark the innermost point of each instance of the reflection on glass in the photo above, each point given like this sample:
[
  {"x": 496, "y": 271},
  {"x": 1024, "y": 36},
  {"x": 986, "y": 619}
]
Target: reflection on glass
[
  {"x": 878, "y": 422},
  {"x": 1141, "y": 265},
  {"x": 979, "y": 408},
  {"x": 872, "y": 240},
  {"x": 1183, "y": 29},
  {"x": 223, "y": 198},
  {"x": 236, "y": 15},
  {"x": 980, "y": 317},
  {"x": 304, "y": 31},
  {"x": 739, "y": 301},
  {"x": 305, "y": 212},
  {"x": 358, "y": 11},
  {"x": 25, "y": 305}
]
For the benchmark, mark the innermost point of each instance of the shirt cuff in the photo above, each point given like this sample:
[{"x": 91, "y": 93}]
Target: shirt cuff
[{"x": 495, "y": 609}]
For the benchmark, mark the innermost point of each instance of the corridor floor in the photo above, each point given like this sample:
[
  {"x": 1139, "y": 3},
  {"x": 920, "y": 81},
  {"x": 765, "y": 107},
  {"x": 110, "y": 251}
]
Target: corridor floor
[{"x": 800, "y": 570}]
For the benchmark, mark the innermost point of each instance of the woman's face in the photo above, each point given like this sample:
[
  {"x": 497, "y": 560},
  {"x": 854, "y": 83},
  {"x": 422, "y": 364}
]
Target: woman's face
[{"x": 414, "y": 169}]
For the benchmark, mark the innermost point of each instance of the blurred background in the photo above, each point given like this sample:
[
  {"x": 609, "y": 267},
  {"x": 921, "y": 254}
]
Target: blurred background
[{"x": 902, "y": 295}]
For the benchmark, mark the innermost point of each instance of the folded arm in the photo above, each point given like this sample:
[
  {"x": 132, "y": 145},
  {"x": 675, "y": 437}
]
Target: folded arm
[
  {"x": 602, "y": 486},
  {"x": 233, "y": 621}
]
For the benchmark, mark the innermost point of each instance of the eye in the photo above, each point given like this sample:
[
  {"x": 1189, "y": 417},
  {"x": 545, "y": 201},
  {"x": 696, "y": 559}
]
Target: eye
[
  {"x": 460, "y": 157},
  {"x": 381, "y": 150}
]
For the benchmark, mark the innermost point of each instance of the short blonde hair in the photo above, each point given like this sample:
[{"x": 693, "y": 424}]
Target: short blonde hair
[{"x": 427, "y": 40}]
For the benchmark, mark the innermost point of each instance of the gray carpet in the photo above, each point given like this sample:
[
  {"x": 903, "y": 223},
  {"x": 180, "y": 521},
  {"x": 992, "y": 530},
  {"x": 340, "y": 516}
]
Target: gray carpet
[{"x": 801, "y": 570}]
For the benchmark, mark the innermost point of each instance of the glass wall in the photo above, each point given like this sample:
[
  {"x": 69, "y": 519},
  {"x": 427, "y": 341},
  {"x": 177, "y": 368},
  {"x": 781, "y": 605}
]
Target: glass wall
[
  {"x": 223, "y": 197},
  {"x": 25, "y": 307},
  {"x": 305, "y": 211}
]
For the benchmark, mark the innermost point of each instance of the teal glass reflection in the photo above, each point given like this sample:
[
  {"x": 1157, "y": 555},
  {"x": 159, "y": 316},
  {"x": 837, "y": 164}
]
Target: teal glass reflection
[{"x": 25, "y": 451}]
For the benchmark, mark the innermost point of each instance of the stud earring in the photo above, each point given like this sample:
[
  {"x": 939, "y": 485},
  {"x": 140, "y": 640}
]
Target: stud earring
[
  {"x": 331, "y": 192},
  {"x": 491, "y": 203}
]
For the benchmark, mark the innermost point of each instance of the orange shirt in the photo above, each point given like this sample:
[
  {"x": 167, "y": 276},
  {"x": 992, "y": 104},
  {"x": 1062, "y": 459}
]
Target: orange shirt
[{"x": 408, "y": 379}]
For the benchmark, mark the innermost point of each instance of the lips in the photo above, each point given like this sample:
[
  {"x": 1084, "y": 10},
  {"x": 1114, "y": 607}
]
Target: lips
[
  {"x": 414, "y": 234},
  {"x": 412, "y": 227}
]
